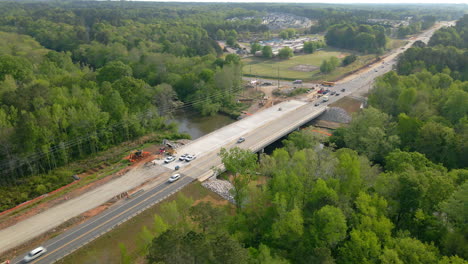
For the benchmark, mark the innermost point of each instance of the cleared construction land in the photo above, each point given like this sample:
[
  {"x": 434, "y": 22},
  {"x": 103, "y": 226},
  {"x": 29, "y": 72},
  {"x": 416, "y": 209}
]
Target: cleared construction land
[{"x": 302, "y": 66}]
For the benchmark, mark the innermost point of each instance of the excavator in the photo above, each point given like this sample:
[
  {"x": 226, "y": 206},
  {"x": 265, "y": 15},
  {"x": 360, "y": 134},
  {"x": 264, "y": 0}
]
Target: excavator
[{"x": 137, "y": 155}]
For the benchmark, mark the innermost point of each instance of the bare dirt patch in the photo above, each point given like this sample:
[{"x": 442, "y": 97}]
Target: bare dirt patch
[
  {"x": 211, "y": 199},
  {"x": 304, "y": 68},
  {"x": 342, "y": 55},
  {"x": 95, "y": 211},
  {"x": 350, "y": 105},
  {"x": 328, "y": 125}
]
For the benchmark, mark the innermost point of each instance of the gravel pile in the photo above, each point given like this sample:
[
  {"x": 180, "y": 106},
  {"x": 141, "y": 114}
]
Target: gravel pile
[
  {"x": 220, "y": 187},
  {"x": 336, "y": 114}
]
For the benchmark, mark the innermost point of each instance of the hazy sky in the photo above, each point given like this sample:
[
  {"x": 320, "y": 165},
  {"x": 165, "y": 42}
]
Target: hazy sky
[{"x": 329, "y": 1}]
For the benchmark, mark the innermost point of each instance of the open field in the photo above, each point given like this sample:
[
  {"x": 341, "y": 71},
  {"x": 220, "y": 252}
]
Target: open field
[
  {"x": 303, "y": 66},
  {"x": 105, "y": 249}
]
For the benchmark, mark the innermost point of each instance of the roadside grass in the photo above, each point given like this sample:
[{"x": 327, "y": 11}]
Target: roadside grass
[
  {"x": 257, "y": 66},
  {"x": 105, "y": 249},
  {"x": 268, "y": 68}
]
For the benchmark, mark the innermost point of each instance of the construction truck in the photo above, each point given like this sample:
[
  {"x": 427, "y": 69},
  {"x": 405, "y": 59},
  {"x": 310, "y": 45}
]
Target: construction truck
[
  {"x": 328, "y": 83},
  {"x": 167, "y": 151}
]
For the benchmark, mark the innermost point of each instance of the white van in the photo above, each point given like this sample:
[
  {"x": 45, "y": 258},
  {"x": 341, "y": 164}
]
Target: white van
[
  {"x": 325, "y": 98},
  {"x": 34, "y": 254}
]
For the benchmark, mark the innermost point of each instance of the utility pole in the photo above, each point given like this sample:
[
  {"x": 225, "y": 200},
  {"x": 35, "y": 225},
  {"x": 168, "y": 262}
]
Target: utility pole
[
  {"x": 278, "y": 78},
  {"x": 256, "y": 82}
]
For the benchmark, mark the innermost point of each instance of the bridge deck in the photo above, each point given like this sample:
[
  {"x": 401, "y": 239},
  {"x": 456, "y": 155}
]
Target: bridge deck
[{"x": 259, "y": 130}]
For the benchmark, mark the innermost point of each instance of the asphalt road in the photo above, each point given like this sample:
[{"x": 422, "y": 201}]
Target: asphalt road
[
  {"x": 82, "y": 234},
  {"x": 74, "y": 238},
  {"x": 364, "y": 79}
]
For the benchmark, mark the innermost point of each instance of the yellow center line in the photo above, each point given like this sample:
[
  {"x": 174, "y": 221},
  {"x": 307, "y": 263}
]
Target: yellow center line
[{"x": 49, "y": 253}]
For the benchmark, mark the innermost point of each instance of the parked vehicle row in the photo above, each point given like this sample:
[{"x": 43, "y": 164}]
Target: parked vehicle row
[{"x": 184, "y": 157}]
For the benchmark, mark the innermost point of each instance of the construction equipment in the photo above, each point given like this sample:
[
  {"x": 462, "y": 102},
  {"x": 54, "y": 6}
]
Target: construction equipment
[
  {"x": 137, "y": 155},
  {"x": 162, "y": 150},
  {"x": 328, "y": 84}
]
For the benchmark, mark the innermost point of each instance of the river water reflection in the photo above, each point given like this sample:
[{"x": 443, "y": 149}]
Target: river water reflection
[{"x": 196, "y": 126}]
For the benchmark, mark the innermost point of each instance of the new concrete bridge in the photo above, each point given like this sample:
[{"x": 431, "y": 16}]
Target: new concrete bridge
[{"x": 259, "y": 131}]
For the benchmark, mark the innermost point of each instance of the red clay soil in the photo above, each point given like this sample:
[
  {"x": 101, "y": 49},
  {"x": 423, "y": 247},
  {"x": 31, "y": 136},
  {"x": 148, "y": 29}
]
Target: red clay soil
[
  {"x": 95, "y": 211},
  {"x": 13, "y": 219},
  {"x": 75, "y": 220}
]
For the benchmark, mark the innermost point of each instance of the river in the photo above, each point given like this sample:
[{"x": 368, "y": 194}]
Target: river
[{"x": 195, "y": 125}]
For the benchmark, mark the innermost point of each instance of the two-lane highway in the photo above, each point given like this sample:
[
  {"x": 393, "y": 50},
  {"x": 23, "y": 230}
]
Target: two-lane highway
[{"x": 76, "y": 237}]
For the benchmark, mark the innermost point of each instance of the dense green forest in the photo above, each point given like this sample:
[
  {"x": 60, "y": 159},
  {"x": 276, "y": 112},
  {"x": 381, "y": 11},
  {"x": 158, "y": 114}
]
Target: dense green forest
[
  {"x": 78, "y": 78},
  {"x": 447, "y": 52},
  {"x": 320, "y": 205},
  {"x": 424, "y": 109},
  {"x": 389, "y": 188},
  {"x": 364, "y": 38}
]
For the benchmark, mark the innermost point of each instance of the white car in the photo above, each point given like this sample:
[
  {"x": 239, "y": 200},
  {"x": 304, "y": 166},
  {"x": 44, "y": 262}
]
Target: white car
[
  {"x": 169, "y": 159},
  {"x": 189, "y": 158},
  {"x": 174, "y": 177},
  {"x": 182, "y": 158},
  {"x": 240, "y": 140},
  {"x": 34, "y": 254}
]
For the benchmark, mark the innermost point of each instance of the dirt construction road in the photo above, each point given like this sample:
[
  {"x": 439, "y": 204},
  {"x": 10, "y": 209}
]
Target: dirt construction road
[{"x": 25, "y": 230}]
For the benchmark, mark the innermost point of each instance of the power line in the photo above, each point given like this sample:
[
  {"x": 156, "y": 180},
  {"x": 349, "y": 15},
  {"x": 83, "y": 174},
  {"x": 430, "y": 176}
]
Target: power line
[{"x": 18, "y": 162}]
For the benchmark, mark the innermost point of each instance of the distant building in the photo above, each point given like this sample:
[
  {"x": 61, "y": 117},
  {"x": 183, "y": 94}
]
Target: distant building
[{"x": 297, "y": 45}]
